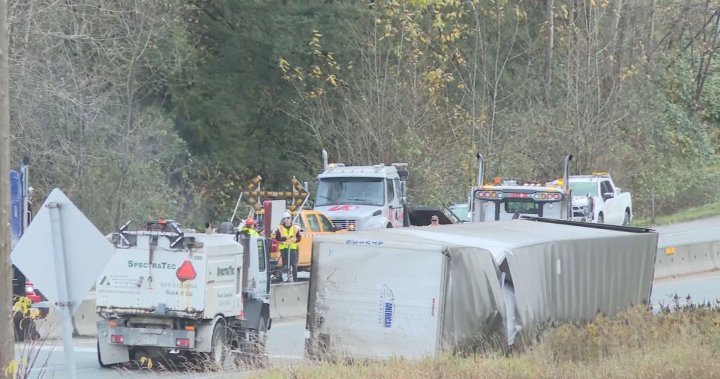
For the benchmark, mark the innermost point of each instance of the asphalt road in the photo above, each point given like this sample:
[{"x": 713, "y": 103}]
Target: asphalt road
[
  {"x": 702, "y": 288},
  {"x": 286, "y": 339},
  {"x": 687, "y": 232}
]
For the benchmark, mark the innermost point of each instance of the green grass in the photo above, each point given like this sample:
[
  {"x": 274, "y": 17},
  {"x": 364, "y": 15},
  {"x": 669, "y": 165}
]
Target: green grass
[
  {"x": 635, "y": 344},
  {"x": 694, "y": 213}
]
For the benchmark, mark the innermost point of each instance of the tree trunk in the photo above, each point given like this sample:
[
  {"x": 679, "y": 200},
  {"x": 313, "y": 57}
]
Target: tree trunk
[
  {"x": 549, "y": 52},
  {"x": 7, "y": 347}
]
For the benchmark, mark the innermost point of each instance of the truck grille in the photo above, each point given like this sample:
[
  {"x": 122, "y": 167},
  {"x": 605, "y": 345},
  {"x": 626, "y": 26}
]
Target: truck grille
[
  {"x": 344, "y": 224},
  {"x": 578, "y": 212}
]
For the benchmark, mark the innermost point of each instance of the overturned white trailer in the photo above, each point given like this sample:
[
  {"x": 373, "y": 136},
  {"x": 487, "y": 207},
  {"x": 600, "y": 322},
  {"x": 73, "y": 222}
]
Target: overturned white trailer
[{"x": 415, "y": 292}]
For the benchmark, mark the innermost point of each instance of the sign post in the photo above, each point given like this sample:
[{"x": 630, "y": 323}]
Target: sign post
[{"x": 62, "y": 286}]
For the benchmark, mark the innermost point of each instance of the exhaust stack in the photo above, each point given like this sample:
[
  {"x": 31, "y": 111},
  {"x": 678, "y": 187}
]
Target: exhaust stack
[
  {"x": 481, "y": 170},
  {"x": 566, "y": 173},
  {"x": 566, "y": 185},
  {"x": 325, "y": 159}
]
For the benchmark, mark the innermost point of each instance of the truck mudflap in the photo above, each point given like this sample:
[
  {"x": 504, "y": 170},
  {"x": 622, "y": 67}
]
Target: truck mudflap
[{"x": 109, "y": 353}]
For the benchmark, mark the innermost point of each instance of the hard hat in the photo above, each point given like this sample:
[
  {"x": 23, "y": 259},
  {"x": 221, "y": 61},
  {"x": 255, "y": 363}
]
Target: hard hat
[
  {"x": 249, "y": 221},
  {"x": 286, "y": 215}
]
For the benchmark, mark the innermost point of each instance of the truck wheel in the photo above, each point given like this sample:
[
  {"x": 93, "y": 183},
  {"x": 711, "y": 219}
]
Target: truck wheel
[
  {"x": 626, "y": 220},
  {"x": 601, "y": 219},
  {"x": 142, "y": 359},
  {"x": 389, "y": 226},
  {"x": 260, "y": 336},
  {"x": 219, "y": 345},
  {"x": 255, "y": 355}
]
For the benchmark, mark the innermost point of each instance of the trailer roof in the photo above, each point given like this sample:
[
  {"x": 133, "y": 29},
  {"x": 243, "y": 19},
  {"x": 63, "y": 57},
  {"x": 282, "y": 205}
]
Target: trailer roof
[{"x": 498, "y": 237}]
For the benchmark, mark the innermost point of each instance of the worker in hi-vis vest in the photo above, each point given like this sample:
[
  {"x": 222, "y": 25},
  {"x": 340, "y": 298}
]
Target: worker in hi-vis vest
[{"x": 288, "y": 236}]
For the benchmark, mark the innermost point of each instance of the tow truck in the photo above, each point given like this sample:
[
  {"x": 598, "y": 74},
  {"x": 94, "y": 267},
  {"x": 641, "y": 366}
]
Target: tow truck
[{"x": 510, "y": 199}]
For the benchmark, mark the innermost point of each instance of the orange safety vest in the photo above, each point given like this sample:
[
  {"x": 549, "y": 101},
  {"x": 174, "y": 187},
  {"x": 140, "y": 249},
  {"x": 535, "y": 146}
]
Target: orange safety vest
[{"x": 288, "y": 233}]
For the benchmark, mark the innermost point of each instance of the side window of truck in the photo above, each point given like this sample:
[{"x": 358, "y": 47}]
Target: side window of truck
[
  {"x": 390, "y": 190},
  {"x": 314, "y": 225},
  {"x": 261, "y": 254},
  {"x": 605, "y": 187},
  {"x": 327, "y": 225}
]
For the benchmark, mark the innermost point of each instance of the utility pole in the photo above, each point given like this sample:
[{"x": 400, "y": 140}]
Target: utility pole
[{"x": 7, "y": 345}]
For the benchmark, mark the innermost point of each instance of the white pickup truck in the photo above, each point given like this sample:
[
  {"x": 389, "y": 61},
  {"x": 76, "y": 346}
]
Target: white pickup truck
[
  {"x": 595, "y": 198},
  {"x": 167, "y": 295}
]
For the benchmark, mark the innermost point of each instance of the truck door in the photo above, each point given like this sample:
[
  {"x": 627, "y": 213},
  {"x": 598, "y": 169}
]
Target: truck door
[
  {"x": 612, "y": 214},
  {"x": 395, "y": 209},
  {"x": 257, "y": 269}
]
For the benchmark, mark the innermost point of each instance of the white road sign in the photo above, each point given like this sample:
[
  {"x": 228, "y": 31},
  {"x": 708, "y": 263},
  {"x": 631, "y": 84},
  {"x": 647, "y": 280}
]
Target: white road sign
[{"x": 60, "y": 235}]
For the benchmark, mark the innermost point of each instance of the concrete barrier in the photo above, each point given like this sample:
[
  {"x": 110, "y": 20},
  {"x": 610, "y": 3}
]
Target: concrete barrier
[
  {"x": 84, "y": 321},
  {"x": 687, "y": 259},
  {"x": 86, "y": 318},
  {"x": 288, "y": 300}
]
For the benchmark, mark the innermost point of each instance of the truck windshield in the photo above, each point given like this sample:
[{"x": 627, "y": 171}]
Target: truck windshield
[
  {"x": 583, "y": 188},
  {"x": 461, "y": 212},
  {"x": 360, "y": 191}
]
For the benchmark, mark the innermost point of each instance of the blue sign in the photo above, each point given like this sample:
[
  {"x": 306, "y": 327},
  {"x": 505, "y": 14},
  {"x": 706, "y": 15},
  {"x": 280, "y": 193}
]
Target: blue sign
[{"x": 16, "y": 205}]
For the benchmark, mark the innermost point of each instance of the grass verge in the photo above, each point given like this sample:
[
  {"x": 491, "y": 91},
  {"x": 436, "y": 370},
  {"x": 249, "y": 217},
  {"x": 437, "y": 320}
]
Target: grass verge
[
  {"x": 694, "y": 213},
  {"x": 635, "y": 344}
]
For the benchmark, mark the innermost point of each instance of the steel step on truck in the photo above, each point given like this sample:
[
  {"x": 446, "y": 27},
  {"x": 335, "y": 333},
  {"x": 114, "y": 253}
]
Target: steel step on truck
[{"x": 168, "y": 296}]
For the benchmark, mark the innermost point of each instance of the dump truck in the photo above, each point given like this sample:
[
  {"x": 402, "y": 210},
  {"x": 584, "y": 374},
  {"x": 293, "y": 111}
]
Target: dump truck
[
  {"x": 418, "y": 292},
  {"x": 169, "y": 295}
]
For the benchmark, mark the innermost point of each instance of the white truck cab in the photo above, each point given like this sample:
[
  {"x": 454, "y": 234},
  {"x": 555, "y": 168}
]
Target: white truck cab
[
  {"x": 510, "y": 200},
  {"x": 166, "y": 294},
  {"x": 363, "y": 197}
]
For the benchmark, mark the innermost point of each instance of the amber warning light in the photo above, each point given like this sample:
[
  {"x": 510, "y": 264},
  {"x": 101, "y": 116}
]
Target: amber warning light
[{"x": 186, "y": 271}]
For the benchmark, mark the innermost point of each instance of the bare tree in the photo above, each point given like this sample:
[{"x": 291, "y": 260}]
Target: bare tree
[{"x": 84, "y": 76}]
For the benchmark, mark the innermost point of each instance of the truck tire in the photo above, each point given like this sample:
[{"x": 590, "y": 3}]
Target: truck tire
[
  {"x": 255, "y": 355},
  {"x": 259, "y": 336},
  {"x": 601, "y": 218},
  {"x": 219, "y": 347},
  {"x": 626, "y": 220}
]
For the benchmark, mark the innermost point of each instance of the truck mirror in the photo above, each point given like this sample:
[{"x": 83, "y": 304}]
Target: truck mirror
[{"x": 608, "y": 195}]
